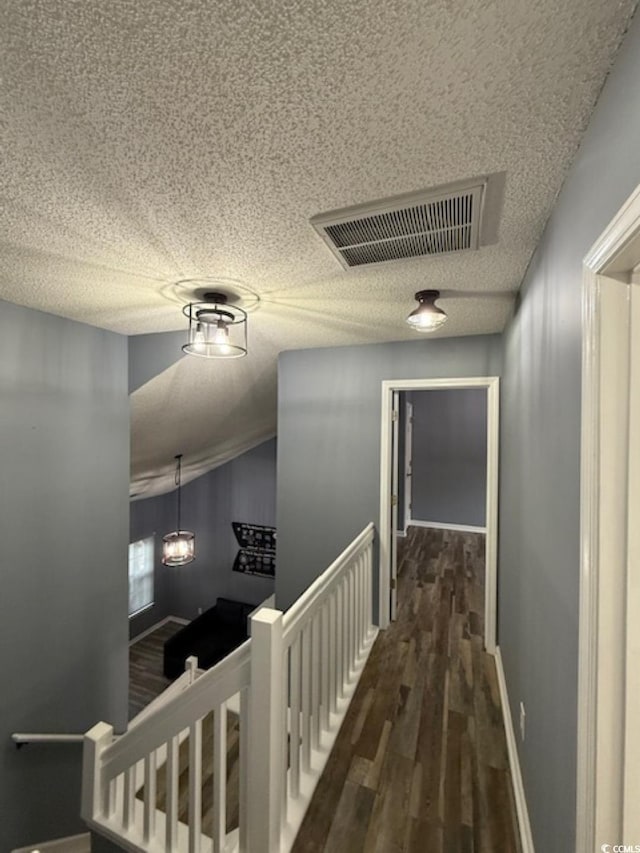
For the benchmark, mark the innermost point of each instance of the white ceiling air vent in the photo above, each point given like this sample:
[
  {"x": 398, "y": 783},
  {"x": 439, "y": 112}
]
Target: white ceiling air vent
[{"x": 437, "y": 221}]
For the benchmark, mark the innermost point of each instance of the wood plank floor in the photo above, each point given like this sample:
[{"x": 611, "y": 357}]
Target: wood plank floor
[
  {"x": 420, "y": 764},
  {"x": 146, "y": 679}
]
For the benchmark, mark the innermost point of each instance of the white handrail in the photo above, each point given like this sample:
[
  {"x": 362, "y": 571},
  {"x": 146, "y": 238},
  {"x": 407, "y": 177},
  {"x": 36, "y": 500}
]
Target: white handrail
[
  {"x": 22, "y": 738},
  {"x": 213, "y": 687}
]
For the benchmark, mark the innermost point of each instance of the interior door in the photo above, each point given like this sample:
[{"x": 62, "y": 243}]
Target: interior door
[
  {"x": 395, "y": 419},
  {"x": 408, "y": 471}
]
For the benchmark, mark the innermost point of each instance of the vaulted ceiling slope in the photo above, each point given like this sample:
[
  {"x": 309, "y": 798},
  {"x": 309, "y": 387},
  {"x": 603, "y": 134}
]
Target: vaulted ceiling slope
[{"x": 148, "y": 141}]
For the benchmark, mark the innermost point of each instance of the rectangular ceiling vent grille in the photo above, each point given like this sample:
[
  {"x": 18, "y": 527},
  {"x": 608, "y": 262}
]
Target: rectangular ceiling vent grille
[{"x": 432, "y": 222}]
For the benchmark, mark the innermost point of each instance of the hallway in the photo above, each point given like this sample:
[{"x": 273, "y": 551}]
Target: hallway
[{"x": 420, "y": 764}]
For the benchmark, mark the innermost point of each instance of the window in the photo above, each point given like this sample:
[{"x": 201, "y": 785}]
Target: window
[{"x": 140, "y": 575}]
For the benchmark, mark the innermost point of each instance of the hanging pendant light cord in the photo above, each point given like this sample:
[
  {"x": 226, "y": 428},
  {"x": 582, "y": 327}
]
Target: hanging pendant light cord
[{"x": 177, "y": 481}]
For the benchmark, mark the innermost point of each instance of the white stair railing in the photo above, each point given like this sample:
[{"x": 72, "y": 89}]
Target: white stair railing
[
  {"x": 326, "y": 638},
  {"x": 294, "y": 678},
  {"x": 305, "y": 667},
  {"x": 116, "y": 770}
]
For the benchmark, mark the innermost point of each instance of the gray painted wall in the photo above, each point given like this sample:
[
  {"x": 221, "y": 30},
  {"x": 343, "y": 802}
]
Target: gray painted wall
[
  {"x": 241, "y": 490},
  {"x": 540, "y": 456},
  {"x": 150, "y": 355},
  {"x": 64, "y": 445},
  {"x": 329, "y": 441},
  {"x": 449, "y": 480}
]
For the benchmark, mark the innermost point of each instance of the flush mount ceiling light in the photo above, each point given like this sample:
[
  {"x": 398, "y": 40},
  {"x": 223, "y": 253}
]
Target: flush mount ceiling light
[
  {"x": 179, "y": 547},
  {"x": 216, "y": 328},
  {"x": 427, "y": 317}
]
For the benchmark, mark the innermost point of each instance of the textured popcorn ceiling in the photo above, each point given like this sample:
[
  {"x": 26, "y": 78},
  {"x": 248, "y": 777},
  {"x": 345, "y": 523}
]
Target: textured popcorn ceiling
[{"x": 147, "y": 141}]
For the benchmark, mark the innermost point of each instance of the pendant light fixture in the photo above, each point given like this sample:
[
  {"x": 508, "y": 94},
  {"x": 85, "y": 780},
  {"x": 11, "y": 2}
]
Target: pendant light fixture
[
  {"x": 178, "y": 548},
  {"x": 216, "y": 328},
  {"x": 427, "y": 317}
]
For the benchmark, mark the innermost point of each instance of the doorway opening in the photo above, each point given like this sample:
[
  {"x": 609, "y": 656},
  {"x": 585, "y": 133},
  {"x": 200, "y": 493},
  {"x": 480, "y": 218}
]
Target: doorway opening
[
  {"x": 393, "y": 483},
  {"x": 441, "y": 460}
]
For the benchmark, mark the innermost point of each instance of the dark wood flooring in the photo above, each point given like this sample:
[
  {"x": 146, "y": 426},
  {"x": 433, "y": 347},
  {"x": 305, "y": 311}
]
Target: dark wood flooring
[
  {"x": 146, "y": 679},
  {"x": 420, "y": 764}
]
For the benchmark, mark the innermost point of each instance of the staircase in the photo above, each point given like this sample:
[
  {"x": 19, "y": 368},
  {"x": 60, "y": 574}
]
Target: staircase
[{"x": 276, "y": 704}]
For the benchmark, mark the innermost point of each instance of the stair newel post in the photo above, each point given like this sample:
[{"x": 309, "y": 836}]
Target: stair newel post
[
  {"x": 191, "y": 666},
  {"x": 94, "y": 791},
  {"x": 266, "y": 732}
]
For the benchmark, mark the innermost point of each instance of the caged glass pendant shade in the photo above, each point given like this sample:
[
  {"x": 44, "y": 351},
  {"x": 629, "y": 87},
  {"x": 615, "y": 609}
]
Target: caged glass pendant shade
[
  {"x": 427, "y": 317},
  {"x": 178, "y": 547},
  {"x": 216, "y": 329}
]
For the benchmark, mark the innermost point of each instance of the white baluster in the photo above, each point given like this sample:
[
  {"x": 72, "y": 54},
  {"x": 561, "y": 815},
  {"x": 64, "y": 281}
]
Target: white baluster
[
  {"x": 333, "y": 651},
  {"x": 149, "y": 824},
  {"x": 294, "y": 749},
  {"x": 195, "y": 785},
  {"x": 129, "y": 797},
  {"x": 244, "y": 769},
  {"x": 220, "y": 778},
  {"x": 356, "y": 612},
  {"x": 306, "y": 699},
  {"x": 360, "y": 604},
  {"x": 342, "y": 634},
  {"x": 363, "y": 603},
  {"x": 350, "y": 626},
  {"x": 369, "y": 591},
  {"x": 357, "y": 598},
  {"x": 324, "y": 664},
  {"x": 315, "y": 681},
  {"x": 284, "y": 800},
  {"x": 354, "y": 581},
  {"x": 171, "y": 804}
]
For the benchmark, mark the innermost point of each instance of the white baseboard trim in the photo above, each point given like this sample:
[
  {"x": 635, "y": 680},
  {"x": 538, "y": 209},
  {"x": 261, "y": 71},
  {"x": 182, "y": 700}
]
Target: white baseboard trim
[
  {"x": 439, "y": 525},
  {"x": 526, "y": 839},
  {"x": 157, "y": 625},
  {"x": 71, "y": 844}
]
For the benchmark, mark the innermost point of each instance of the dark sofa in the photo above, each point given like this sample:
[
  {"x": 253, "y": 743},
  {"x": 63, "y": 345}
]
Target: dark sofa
[{"x": 211, "y": 636}]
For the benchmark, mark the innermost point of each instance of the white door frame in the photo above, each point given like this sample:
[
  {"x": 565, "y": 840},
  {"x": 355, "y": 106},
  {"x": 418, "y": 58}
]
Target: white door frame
[
  {"x": 608, "y": 750},
  {"x": 492, "y": 384}
]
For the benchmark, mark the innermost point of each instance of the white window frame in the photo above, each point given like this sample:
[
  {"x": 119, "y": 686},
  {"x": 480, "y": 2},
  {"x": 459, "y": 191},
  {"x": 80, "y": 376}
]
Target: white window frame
[{"x": 144, "y": 574}]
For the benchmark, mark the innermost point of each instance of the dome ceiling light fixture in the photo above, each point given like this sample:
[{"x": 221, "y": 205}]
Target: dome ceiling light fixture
[
  {"x": 427, "y": 317},
  {"x": 179, "y": 547},
  {"x": 216, "y": 328}
]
